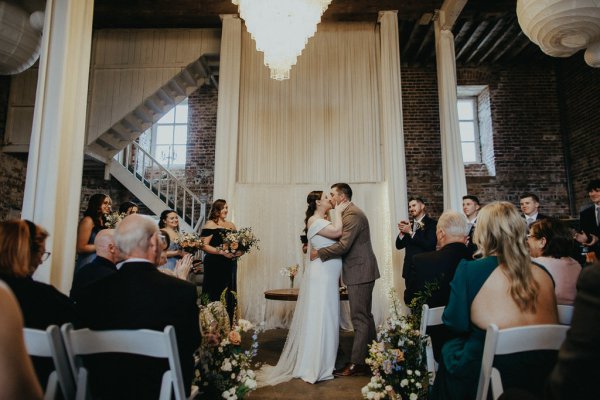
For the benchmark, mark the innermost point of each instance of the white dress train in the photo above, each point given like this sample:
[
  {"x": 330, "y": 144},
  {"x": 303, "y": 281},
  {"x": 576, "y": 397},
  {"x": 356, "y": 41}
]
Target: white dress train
[{"x": 312, "y": 343}]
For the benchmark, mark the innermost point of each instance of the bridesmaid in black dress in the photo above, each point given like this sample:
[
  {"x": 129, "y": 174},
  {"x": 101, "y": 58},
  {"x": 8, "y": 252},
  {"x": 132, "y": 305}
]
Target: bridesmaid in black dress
[{"x": 220, "y": 267}]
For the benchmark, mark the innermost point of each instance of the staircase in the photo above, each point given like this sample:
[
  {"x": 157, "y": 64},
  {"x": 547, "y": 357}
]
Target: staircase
[{"x": 157, "y": 187}]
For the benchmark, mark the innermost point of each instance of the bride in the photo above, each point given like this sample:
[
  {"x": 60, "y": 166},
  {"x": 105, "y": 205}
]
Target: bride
[{"x": 311, "y": 346}]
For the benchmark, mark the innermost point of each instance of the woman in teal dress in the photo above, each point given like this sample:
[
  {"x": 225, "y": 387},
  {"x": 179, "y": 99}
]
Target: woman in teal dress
[{"x": 503, "y": 287}]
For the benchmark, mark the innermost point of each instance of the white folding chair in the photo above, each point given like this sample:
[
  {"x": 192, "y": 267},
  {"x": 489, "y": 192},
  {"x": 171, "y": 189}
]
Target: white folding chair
[
  {"x": 565, "y": 314},
  {"x": 140, "y": 342},
  {"x": 514, "y": 340},
  {"x": 48, "y": 343},
  {"x": 430, "y": 317}
]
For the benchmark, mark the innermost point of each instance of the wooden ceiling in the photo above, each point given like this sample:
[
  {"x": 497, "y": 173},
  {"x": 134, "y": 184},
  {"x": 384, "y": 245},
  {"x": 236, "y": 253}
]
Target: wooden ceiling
[{"x": 486, "y": 32}]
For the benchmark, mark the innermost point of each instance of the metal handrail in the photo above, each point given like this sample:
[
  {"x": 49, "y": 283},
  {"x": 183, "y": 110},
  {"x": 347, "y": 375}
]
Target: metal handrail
[{"x": 166, "y": 186}]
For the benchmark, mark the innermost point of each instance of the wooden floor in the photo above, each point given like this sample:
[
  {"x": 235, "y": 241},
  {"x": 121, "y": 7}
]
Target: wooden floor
[{"x": 270, "y": 346}]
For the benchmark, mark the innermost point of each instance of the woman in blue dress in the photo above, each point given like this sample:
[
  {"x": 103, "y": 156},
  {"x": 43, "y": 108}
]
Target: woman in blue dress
[
  {"x": 169, "y": 224},
  {"x": 505, "y": 288},
  {"x": 92, "y": 222}
]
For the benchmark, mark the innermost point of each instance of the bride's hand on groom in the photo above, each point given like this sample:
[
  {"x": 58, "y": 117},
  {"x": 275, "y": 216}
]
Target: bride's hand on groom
[
  {"x": 341, "y": 207},
  {"x": 313, "y": 255}
]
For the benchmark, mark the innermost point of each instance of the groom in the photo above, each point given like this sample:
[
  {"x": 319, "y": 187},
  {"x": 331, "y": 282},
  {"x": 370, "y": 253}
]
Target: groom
[{"x": 359, "y": 272}]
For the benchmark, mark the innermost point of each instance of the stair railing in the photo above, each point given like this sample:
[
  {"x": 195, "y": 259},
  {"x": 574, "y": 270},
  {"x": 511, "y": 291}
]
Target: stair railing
[{"x": 164, "y": 184}]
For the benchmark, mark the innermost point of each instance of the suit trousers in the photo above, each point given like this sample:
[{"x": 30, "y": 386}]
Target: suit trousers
[{"x": 360, "y": 297}]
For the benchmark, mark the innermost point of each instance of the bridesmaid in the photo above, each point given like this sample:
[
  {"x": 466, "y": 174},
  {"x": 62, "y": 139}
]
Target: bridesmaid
[
  {"x": 220, "y": 268},
  {"x": 92, "y": 222},
  {"x": 169, "y": 224}
]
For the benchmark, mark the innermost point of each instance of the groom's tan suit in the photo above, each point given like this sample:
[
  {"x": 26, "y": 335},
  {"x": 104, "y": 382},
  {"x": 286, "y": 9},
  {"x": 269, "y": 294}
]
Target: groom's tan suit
[{"x": 359, "y": 273}]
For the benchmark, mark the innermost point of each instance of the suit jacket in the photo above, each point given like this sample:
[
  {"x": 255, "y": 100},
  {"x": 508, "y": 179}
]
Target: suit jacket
[
  {"x": 575, "y": 373},
  {"x": 587, "y": 221},
  {"x": 423, "y": 240},
  {"x": 90, "y": 273},
  {"x": 359, "y": 262},
  {"x": 138, "y": 296}
]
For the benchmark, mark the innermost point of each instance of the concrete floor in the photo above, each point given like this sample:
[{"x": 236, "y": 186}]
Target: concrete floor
[{"x": 270, "y": 346}]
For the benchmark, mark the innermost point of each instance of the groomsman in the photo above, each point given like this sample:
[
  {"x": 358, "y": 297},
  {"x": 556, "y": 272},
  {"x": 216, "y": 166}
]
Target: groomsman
[
  {"x": 416, "y": 237},
  {"x": 471, "y": 206},
  {"x": 589, "y": 220},
  {"x": 530, "y": 205}
]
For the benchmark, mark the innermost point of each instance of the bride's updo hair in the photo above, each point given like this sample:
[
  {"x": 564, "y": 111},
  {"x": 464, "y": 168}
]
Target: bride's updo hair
[{"x": 311, "y": 199}]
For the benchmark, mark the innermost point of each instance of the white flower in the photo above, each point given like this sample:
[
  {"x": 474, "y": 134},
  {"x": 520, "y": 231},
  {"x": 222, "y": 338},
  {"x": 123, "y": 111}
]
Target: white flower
[
  {"x": 404, "y": 382},
  {"x": 245, "y": 325},
  {"x": 413, "y": 396},
  {"x": 364, "y": 390},
  {"x": 370, "y": 395},
  {"x": 409, "y": 372},
  {"x": 250, "y": 384},
  {"x": 418, "y": 373},
  {"x": 418, "y": 385}
]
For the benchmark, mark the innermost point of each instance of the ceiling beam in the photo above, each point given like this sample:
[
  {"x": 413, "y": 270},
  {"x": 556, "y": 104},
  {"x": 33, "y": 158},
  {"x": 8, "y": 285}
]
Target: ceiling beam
[
  {"x": 508, "y": 32},
  {"x": 449, "y": 13},
  {"x": 509, "y": 46},
  {"x": 488, "y": 38},
  {"x": 474, "y": 38}
]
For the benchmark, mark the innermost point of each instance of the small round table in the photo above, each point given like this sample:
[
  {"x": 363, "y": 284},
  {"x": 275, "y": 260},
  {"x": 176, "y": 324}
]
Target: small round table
[{"x": 290, "y": 294}]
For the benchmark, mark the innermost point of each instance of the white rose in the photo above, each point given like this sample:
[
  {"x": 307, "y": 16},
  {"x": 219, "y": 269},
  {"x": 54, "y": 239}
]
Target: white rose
[
  {"x": 404, "y": 382},
  {"x": 409, "y": 372},
  {"x": 364, "y": 390},
  {"x": 418, "y": 373},
  {"x": 418, "y": 385},
  {"x": 413, "y": 396},
  {"x": 370, "y": 395}
]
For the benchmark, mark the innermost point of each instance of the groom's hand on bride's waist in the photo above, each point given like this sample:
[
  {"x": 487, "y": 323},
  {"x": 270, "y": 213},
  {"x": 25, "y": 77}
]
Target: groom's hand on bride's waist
[{"x": 313, "y": 255}]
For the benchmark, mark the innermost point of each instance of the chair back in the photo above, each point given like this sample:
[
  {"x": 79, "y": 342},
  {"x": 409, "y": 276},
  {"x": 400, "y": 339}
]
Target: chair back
[
  {"x": 48, "y": 343},
  {"x": 514, "y": 340},
  {"x": 142, "y": 342},
  {"x": 430, "y": 317},
  {"x": 565, "y": 314}
]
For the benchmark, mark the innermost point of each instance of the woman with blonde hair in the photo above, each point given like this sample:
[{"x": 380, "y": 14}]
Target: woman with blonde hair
[{"x": 503, "y": 287}]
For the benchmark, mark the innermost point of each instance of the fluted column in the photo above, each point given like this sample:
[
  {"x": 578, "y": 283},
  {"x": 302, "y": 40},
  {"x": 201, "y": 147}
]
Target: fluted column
[{"x": 54, "y": 168}]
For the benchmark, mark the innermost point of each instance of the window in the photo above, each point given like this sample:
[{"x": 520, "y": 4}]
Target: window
[
  {"x": 169, "y": 136},
  {"x": 469, "y": 129}
]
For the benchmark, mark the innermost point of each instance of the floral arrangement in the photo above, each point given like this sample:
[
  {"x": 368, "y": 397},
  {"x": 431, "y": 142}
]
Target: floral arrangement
[
  {"x": 397, "y": 359},
  {"x": 224, "y": 369},
  {"x": 290, "y": 272},
  {"x": 189, "y": 242},
  {"x": 112, "y": 220},
  {"x": 240, "y": 240}
]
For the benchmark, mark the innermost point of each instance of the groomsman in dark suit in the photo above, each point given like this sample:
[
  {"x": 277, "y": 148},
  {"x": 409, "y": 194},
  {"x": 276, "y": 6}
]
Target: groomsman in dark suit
[
  {"x": 138, "y": 296},
  {"x": 439, "y": 266},
  {"x": 416, "y": 237},
  {"x": 471, "y": 208},
  {"x": 530, "y": 205},
  {"x": 589, "y": 220}
]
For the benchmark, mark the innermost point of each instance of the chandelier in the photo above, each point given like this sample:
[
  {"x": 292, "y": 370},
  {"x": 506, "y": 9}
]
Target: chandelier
[{"x": 281, "y": 29}]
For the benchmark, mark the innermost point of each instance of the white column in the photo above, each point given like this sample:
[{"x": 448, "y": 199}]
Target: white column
[
  {"x": 54, "y": 168},
  {"x": 228, "y": 109},
  {"x": 392, "y": 128},
  {"x": 455, "y": 184}
]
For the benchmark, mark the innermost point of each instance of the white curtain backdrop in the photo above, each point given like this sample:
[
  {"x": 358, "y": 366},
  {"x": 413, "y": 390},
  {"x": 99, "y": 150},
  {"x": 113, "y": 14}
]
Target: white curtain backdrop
[{"x": 320, "y": 127}]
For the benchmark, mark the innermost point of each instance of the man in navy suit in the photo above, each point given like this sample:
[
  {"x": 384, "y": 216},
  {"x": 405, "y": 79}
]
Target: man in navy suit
[
  {"x": 416, "y": 237},
  {"x": 589, "y": 220},
  {"x": 530, "y": 205},
  {"x": 138, "y": 296}
]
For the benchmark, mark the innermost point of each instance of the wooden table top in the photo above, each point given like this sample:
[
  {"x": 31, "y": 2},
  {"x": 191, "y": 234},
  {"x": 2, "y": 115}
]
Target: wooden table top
[{"x": 290, "y": 294}]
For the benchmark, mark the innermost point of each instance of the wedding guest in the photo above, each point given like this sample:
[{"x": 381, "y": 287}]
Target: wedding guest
[
  {"x": 589, "y": 220},
  {"x": 103, "y": 265},
  {"x": 22, "y": 250},
  {"x": 550, "y": 244},
  {"x": 530, "y": 205},
  {"x": 438, "y": 267},
  {"x": 128, "y": 208},
  {"x": 478, "y": 298},
  {"x": 17, "y": 377},
  {"x": 92, "y": 222},
  {"x": 416, "y": 237},
  {"x": 169, "y": 224},
  {"x": 138, "y": 296},
  {"x": 220, "y": 267},
  {"x": 471, "y": 206},
  {"x": 182, "y": 266}
]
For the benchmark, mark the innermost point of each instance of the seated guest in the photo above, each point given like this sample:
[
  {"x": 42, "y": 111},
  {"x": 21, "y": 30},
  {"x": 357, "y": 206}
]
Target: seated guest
[
  {"x": 530, "y": 205},
  {"x": 17, "y": 378},
  {"x": 550, "y": 244},
  {"x": 22, "y": 250},
  {"x": 505, "y": 288},
  {"x": 103, "y": 265},
  {"x": 589, "y": 219},
  {"x": 439, "y": 266},
  {"x": 138, "y": 296},
  {"x": 128, "y": 208}
]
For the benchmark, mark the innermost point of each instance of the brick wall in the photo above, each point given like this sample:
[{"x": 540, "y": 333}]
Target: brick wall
[
  {"x": 579, "y": 87},
  {"x": 12, "y": 184},
  {"x": 526, "y": 136}
]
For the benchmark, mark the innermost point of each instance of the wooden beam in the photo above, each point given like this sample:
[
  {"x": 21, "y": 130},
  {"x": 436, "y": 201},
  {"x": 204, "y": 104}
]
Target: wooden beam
[
  {"x": 424, "y": 42},
  {"x": 474, "y": 38},
  {"x": 509, "y": 46},
  {"x": 488, "y": 38},
  {"x": 509, "y": 31},
  {"x": 412, "y": 39},
  {"x": 449, "y": 13}
]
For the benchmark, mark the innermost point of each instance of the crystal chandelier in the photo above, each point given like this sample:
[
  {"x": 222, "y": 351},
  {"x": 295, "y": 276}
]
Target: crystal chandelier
[{"x": 281, "y": 29}]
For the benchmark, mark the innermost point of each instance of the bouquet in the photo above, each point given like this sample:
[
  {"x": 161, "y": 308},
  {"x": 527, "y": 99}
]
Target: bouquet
[
  {"x": 397, "y": 360},
  {"x": 290, "y": 272},
  {"x": 223, "y": 369},
  {"x": 189, "y": 242},
  {"x": 112, "y": 220},
  {"x": 240, "y": 240}
]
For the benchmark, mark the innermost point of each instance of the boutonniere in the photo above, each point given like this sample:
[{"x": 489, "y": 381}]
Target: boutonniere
[{"x": 420, "y": 225}]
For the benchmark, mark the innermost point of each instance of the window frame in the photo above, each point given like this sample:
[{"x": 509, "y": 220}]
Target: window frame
[
  {"x": 474, "y": 100},
  {"x": 154, "y": 132}
]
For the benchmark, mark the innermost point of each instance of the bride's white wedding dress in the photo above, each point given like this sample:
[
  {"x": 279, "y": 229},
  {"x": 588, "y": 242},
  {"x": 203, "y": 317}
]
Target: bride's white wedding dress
[{"x": 311, "y": 346}]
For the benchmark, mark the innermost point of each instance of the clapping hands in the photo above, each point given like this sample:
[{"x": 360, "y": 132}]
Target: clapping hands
[
  {"x": 404, "y": 227},
  {"x": 183, "y": 266}
]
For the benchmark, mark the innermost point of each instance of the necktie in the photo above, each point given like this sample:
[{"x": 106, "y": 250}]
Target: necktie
[{"x": 530, "y": 221}]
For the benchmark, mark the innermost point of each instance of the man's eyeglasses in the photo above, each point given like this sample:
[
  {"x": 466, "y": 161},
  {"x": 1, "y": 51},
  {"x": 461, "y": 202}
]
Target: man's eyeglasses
[{"x": 45, "y": 255}]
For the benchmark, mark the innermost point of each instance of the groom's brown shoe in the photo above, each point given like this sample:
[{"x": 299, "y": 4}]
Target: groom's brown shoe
[{"x": 352, "y": 369}]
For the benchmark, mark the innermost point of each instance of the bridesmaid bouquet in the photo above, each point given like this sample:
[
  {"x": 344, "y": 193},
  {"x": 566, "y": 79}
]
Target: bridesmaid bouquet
[
  {"x": 240, "y": 240},
  {"x": 189, "y": 242},
  {"x": 112, "y": 220},
  {"x": 397, "y": 360}
]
